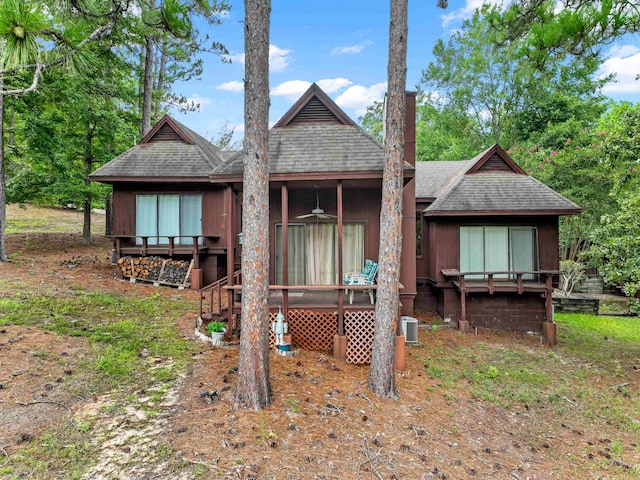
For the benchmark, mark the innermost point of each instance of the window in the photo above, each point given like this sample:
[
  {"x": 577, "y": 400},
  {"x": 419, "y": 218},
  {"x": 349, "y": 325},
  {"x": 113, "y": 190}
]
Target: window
[
  {"x": 313, "y": 252},
  {"x": 163, "y": 216},
  {"x": 498, "y": 249}
]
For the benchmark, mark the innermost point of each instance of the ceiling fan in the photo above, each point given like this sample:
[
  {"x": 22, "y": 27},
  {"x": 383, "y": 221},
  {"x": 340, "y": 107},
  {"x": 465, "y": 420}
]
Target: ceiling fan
[{"x": 317, "y": 213}]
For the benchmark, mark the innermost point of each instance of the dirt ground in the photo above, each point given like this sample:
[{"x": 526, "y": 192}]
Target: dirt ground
[{"x": 323, "y": 422}]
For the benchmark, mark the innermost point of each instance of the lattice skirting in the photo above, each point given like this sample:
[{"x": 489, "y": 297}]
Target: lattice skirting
[
  {"x": 358, "y": 327},
  {"x": 310, "y": 330}
]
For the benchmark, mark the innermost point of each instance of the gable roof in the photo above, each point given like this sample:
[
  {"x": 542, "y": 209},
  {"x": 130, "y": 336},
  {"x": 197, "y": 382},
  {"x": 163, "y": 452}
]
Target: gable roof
[
  {"x": 316, "y": 136},
  {"x": 169, "y": 151},
  {"x": 489, "y": 184},
  {"x": 314, "y": 106}
]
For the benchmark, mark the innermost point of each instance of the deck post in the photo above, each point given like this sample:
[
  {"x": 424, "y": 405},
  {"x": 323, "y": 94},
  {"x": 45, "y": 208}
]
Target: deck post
[
  {"x": 549, "y": 327},
  {"x": 230, "y": 245},
  {"x": 340, "y": 340},
  {"x": 463, "y": 324},
  {"x": 285, "y": 247}
]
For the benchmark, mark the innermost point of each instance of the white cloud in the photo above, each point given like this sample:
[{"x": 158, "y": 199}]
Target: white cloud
[
  {"x": 351, "y": 48},
  {"x": 465, "y": 12},
  {"x": 233, "y": 86},
  {"x": 202, "y": 102},
  {"x": 291, "y": 89},
  {"x": 359, "y": 97},
  {"x": 624, "y": 62},
  {"x": 331, "y": 85},
  {"x": 237, "y": 58},
  {"x": 279, "y": 58}
]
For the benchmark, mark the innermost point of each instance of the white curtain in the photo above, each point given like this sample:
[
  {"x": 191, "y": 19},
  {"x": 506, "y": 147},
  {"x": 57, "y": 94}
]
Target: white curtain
[
  {"x": 522, "y": 250},
  {"x": 472, "y": 250},
  {"x": 322, "y": 253},
  {"x": 352, "y": 247},
  {"x": 296, "y": 254},
  {"x": 190, "y": 217},
  {"x": 496, "y": 250},
  {"x": 313, "y": 252},
  {"x": 146, "y": 217}
]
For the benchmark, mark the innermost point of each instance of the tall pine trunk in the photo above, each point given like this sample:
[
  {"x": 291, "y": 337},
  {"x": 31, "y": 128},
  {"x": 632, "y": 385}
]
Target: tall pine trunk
[
  {"x": 147, "y": 86},
  {"x": 382, "y": 373},
  {"x": 253, "y": 390},
  {"x": 3, "y": 196}
]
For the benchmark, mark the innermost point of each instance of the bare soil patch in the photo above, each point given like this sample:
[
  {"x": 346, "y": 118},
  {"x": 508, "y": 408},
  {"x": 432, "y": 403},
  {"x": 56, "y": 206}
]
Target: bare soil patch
[{"x": 323, "y": 422}]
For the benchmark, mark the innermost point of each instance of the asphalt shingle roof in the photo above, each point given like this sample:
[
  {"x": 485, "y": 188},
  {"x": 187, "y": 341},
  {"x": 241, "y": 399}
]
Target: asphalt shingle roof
[
  {"x": 167, "y": 158},
  {"x": 432, "y": 177},
  {"x": 499, "y": 191},
  {"x": 486, "y": 189},
  {"x": 317, "y": 147}
]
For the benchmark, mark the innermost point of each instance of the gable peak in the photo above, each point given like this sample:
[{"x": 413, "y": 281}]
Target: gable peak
[
  {"x": 166, "y": 129},
  {"x": 314, "y": 106},
  {"x": 495, "y": 159}
]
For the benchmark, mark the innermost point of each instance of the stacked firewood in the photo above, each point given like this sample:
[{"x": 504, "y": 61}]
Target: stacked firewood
[
  {"x": 157, "y": 269},
  {"x": 175, "y": 272},
  {"x": 147, "y": 268}
]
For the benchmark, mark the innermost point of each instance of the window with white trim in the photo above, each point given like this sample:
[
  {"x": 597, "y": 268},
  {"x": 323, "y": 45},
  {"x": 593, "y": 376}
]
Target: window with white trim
[
  {"x": 498, "y": 249},
  {"x": 161, "y": 216}
]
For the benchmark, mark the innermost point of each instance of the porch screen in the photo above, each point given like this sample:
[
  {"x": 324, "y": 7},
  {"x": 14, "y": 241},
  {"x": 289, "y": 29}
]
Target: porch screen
[
  {"x": 163, "y": 216},
  {"x": 313, "y": 252},
  {"x": 497, "y": 249}
]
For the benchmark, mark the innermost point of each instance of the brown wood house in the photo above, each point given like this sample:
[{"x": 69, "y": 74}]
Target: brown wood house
[
  {"x": 177, "y": 196},
  {"x": 488, "y": 248}
]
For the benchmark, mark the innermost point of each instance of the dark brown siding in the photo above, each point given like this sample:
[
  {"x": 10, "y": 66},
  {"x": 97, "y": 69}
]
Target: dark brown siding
[
  {"x": 124, "y": 212},
  {"x": 213, "y": 216},
  {"x": 509, "y": 312}
]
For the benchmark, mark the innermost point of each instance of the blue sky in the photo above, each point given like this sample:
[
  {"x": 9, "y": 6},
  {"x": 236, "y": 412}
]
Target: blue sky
[{"x": 341, "y": 45}]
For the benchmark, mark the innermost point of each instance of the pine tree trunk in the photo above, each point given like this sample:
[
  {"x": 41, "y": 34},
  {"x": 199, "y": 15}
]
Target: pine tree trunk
[
  {"x": 253, "y": 390},
  {"x": 382, "y": 373},
  {"x": 88, "y": 163},
  {"x": 147, "y": 88},
  {"x": 3, "y": 197}
]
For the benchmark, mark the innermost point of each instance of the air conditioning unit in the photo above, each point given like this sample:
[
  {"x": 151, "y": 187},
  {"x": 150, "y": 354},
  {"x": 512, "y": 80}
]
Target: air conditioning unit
[{"x": 410, "y": 329}]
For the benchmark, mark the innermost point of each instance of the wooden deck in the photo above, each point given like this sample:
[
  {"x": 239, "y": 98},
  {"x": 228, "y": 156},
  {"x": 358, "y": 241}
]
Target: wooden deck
[
  {"x": 319, "y": 300},
  {"x": 500, "y": 282}
]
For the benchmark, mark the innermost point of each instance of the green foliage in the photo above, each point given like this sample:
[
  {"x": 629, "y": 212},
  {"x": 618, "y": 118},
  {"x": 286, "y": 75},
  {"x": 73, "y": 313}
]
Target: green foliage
[
  {"x": 616, "y": 251},
  {"x": 20, "y": 24},
  {"x": 579, "y": 28},
  {"x": 216, "y": 327},
  {"x": 371, "y": 121},
  {"x": 223, "y": 139},
  {"x": 489, "y": 80}
]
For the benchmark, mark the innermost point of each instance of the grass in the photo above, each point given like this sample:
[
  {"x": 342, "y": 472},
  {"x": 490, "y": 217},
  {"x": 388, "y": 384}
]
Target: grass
[
  {"x": 583, "y": 379},
  {"x": 124, "y": 331},
  {"x": 31, "y": 219}
]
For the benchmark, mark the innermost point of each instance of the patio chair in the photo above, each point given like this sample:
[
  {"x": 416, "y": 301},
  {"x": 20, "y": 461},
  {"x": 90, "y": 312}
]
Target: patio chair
[{"x": 366, "y": 277}]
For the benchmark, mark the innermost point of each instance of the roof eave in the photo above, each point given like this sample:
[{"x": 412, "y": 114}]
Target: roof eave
[
  {"x": 478, "y": 213},
  {"x": 129, "y": 179},
  {"x": 280, "y": 177}
]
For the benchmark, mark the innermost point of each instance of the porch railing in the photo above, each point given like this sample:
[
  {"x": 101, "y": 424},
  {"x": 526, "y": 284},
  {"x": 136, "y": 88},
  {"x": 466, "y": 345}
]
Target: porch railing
[
  {"x": 213, "y": 294},
  {"x": 492, "y": 286}
]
